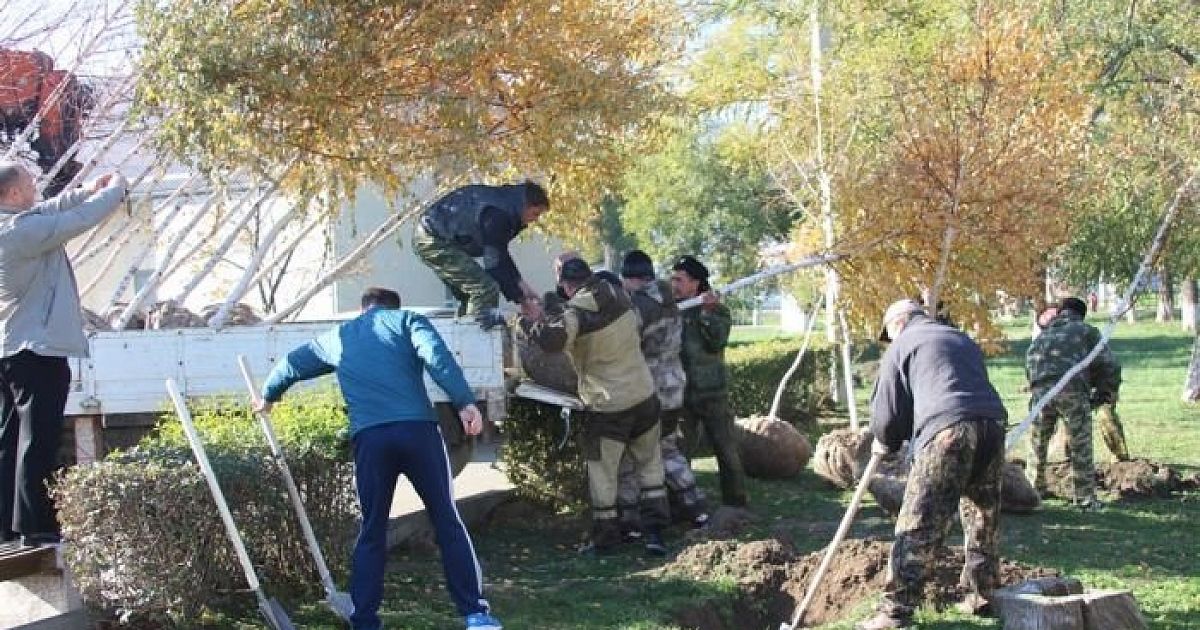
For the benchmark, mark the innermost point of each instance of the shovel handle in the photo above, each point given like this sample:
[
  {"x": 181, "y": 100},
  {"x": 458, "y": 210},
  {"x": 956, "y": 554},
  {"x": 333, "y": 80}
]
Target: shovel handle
[
  {"x": 842, "y": 530},
  {"x": 310, "y": 537},
  {"x": 189, "y": 429}
]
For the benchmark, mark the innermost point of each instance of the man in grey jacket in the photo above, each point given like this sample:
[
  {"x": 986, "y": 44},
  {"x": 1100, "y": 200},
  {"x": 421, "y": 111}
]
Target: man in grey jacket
[
  {"x": 933, "y": 392},
  {"x": 41, "y": 325}
]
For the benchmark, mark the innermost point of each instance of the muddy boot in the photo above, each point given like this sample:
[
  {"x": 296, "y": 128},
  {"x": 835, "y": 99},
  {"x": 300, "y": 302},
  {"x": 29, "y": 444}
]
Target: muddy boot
[{"x": 883, "y": 621}]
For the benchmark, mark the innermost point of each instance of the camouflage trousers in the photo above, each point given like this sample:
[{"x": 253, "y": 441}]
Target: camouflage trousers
[
  {"x": 1111, "y": 431},
  {"x": 960, "y": 468},
  {"x": 679, "y": 479},
  {"x": 475, "y": 290},
  {"x": 1075, "y": 410},
  {"x": 712, "y": 416},
  {"x": 607, "y": 439}
]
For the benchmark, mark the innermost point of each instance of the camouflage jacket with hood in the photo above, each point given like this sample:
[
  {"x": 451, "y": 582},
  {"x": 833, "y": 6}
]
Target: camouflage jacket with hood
[
  {"x": 599, "y": 330},
  {"x": 662, "y": 340},
  {"x": 1064, "y": 343}
]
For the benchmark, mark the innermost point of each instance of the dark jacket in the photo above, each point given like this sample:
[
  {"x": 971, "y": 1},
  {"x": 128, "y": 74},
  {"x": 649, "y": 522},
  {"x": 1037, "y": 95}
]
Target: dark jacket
[
  {"x": 932, "y": 377},
  {"x": 705, "y": 335},
  {"x": 482, "y": 220}
]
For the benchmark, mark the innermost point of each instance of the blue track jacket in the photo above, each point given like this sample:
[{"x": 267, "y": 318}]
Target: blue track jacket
[{"x": 380, "y": 358}]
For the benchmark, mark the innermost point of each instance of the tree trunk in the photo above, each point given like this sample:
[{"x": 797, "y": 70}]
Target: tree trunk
[
  {"x": 1188, "y": 299},
  {"x": 1166, "y": 298},
  {"x": 244, "y": 283},
  {"x": 231, "y": 237},
  {"x": 1191, "y": 389}
]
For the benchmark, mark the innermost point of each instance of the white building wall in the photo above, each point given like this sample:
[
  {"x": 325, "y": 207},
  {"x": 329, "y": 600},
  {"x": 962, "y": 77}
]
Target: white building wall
[{"x": 393, "y": 264}]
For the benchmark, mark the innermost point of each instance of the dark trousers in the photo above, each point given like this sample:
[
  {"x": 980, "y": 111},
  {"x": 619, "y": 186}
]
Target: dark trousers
[
  {"x": 416, "y": 450},
  {"x": 712, "y": 416},
  {"x": 33, "y": 395}
]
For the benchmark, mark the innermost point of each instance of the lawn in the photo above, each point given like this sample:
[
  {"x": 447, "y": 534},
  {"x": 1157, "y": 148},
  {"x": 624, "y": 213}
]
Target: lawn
[{"x": 535, "y": 580}]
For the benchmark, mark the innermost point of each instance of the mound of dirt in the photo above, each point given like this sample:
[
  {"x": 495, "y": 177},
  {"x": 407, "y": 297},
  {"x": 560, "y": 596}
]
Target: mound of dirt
[
  {"x": 1143, "y": 478},
  {"x": 772, "y": 579},
  {"x": 1134, "y": 479},
  {"x": 771, "y": 448}
]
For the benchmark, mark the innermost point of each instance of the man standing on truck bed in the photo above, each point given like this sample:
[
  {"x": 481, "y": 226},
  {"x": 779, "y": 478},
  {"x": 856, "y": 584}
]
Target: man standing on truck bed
[
  {"x": 479, "y": 222},
  {"x": 380, "y": 358},
  {"x": 41, "y": 325}
]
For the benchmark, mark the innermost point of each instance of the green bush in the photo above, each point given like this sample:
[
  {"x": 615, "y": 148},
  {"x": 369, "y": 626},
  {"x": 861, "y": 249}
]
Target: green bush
[
  {"x": 147, "y": 541},
  {"x": 755, "y": 371},
  {"x": 533, "y": 460},
  {"x": 543, "y": 472}
]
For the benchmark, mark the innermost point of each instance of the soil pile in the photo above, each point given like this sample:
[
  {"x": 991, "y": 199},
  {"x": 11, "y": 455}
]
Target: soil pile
[
  {"x": 772, "y": 579},
  {"x": 1134, "y": 479}
]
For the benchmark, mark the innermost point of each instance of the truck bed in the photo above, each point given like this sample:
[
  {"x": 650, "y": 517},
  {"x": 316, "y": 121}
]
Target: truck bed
[{"x": 126, "y": 369}]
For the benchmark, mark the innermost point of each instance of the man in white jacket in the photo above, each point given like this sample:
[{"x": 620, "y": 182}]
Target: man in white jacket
[{"x": 41, "y": 325}]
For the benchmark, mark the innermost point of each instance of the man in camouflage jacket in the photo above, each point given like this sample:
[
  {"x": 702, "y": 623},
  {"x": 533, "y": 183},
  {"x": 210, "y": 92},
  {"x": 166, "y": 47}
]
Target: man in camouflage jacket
[
  {"x": 1064, "y": 343},
  {"x": 598, "y": 328},
  {"x": 662, "y": 336},
  {"x": 706, "y": 396}
]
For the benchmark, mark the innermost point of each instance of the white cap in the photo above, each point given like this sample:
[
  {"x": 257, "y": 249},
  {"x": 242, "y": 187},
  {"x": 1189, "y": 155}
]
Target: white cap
[{"x": 898, "y": 309}]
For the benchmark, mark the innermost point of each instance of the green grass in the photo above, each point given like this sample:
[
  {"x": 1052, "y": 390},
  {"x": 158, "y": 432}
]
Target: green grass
[{"x": 537, "y": 581}]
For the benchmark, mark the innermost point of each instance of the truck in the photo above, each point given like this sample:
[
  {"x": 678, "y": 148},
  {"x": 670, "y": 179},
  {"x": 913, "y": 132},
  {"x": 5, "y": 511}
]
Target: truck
[{"x": 120, "y": 385}]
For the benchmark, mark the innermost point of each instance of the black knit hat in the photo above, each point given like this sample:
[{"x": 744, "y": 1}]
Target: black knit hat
[
  {"x": 693, "y": 268},
  {"x": 637, "y": 265},
  {"x": 574, "y": 270},
  {"x": 1074, "y": 304}
]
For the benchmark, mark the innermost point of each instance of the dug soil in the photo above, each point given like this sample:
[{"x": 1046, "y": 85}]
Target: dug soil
[
  {"x": 771, "y": 580},
  {"x": 1134, "y": 479}
]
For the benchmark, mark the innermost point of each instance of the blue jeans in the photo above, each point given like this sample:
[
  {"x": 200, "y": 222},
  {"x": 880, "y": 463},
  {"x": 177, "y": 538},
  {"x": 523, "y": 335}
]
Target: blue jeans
[{"x": 416, "y": 450}]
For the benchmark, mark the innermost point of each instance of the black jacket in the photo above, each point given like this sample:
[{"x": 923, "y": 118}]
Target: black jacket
[
  {"x": 931, "y": 377},
  {"x": 482, "y": 220}
]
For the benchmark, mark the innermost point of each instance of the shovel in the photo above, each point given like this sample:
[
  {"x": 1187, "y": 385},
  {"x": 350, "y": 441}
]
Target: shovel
[
  {"x": 337, "y": 601},
  {"x": 877, "y": 453},
  {"x": 271, "y": 609}
]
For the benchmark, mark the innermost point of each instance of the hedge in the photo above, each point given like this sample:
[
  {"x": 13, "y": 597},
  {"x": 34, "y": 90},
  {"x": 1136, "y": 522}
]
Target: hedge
[
  {"x": 545, "y": 473},
  {"x": 146, "y": 539}
]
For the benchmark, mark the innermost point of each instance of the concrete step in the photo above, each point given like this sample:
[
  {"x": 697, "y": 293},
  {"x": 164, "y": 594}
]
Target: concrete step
[{"x": 37, "y": 592}]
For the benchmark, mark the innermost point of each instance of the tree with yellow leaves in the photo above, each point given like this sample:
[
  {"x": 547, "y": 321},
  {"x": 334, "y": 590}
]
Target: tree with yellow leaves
[
  {"x": 384, "y": 91},
  {"x": 970, "y": 194}
]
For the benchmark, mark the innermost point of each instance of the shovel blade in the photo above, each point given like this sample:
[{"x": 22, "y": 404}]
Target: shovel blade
[
  {"x": 341, "y": 605},
  {"x": 276, "y": 616}
]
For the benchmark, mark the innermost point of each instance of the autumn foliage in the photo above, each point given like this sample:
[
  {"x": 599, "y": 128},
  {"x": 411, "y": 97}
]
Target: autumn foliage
[
  {"x": 386, "y": 91},
  {"x": 976, "y": 172}
]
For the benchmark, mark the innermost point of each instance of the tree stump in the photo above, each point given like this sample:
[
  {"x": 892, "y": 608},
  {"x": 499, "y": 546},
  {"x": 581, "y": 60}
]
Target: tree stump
[{"x": 1061, "y": 604}]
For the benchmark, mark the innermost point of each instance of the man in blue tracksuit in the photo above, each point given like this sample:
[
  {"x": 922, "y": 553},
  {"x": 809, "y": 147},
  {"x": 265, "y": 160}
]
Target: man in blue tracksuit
[{"x": 380, "y": 359}]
